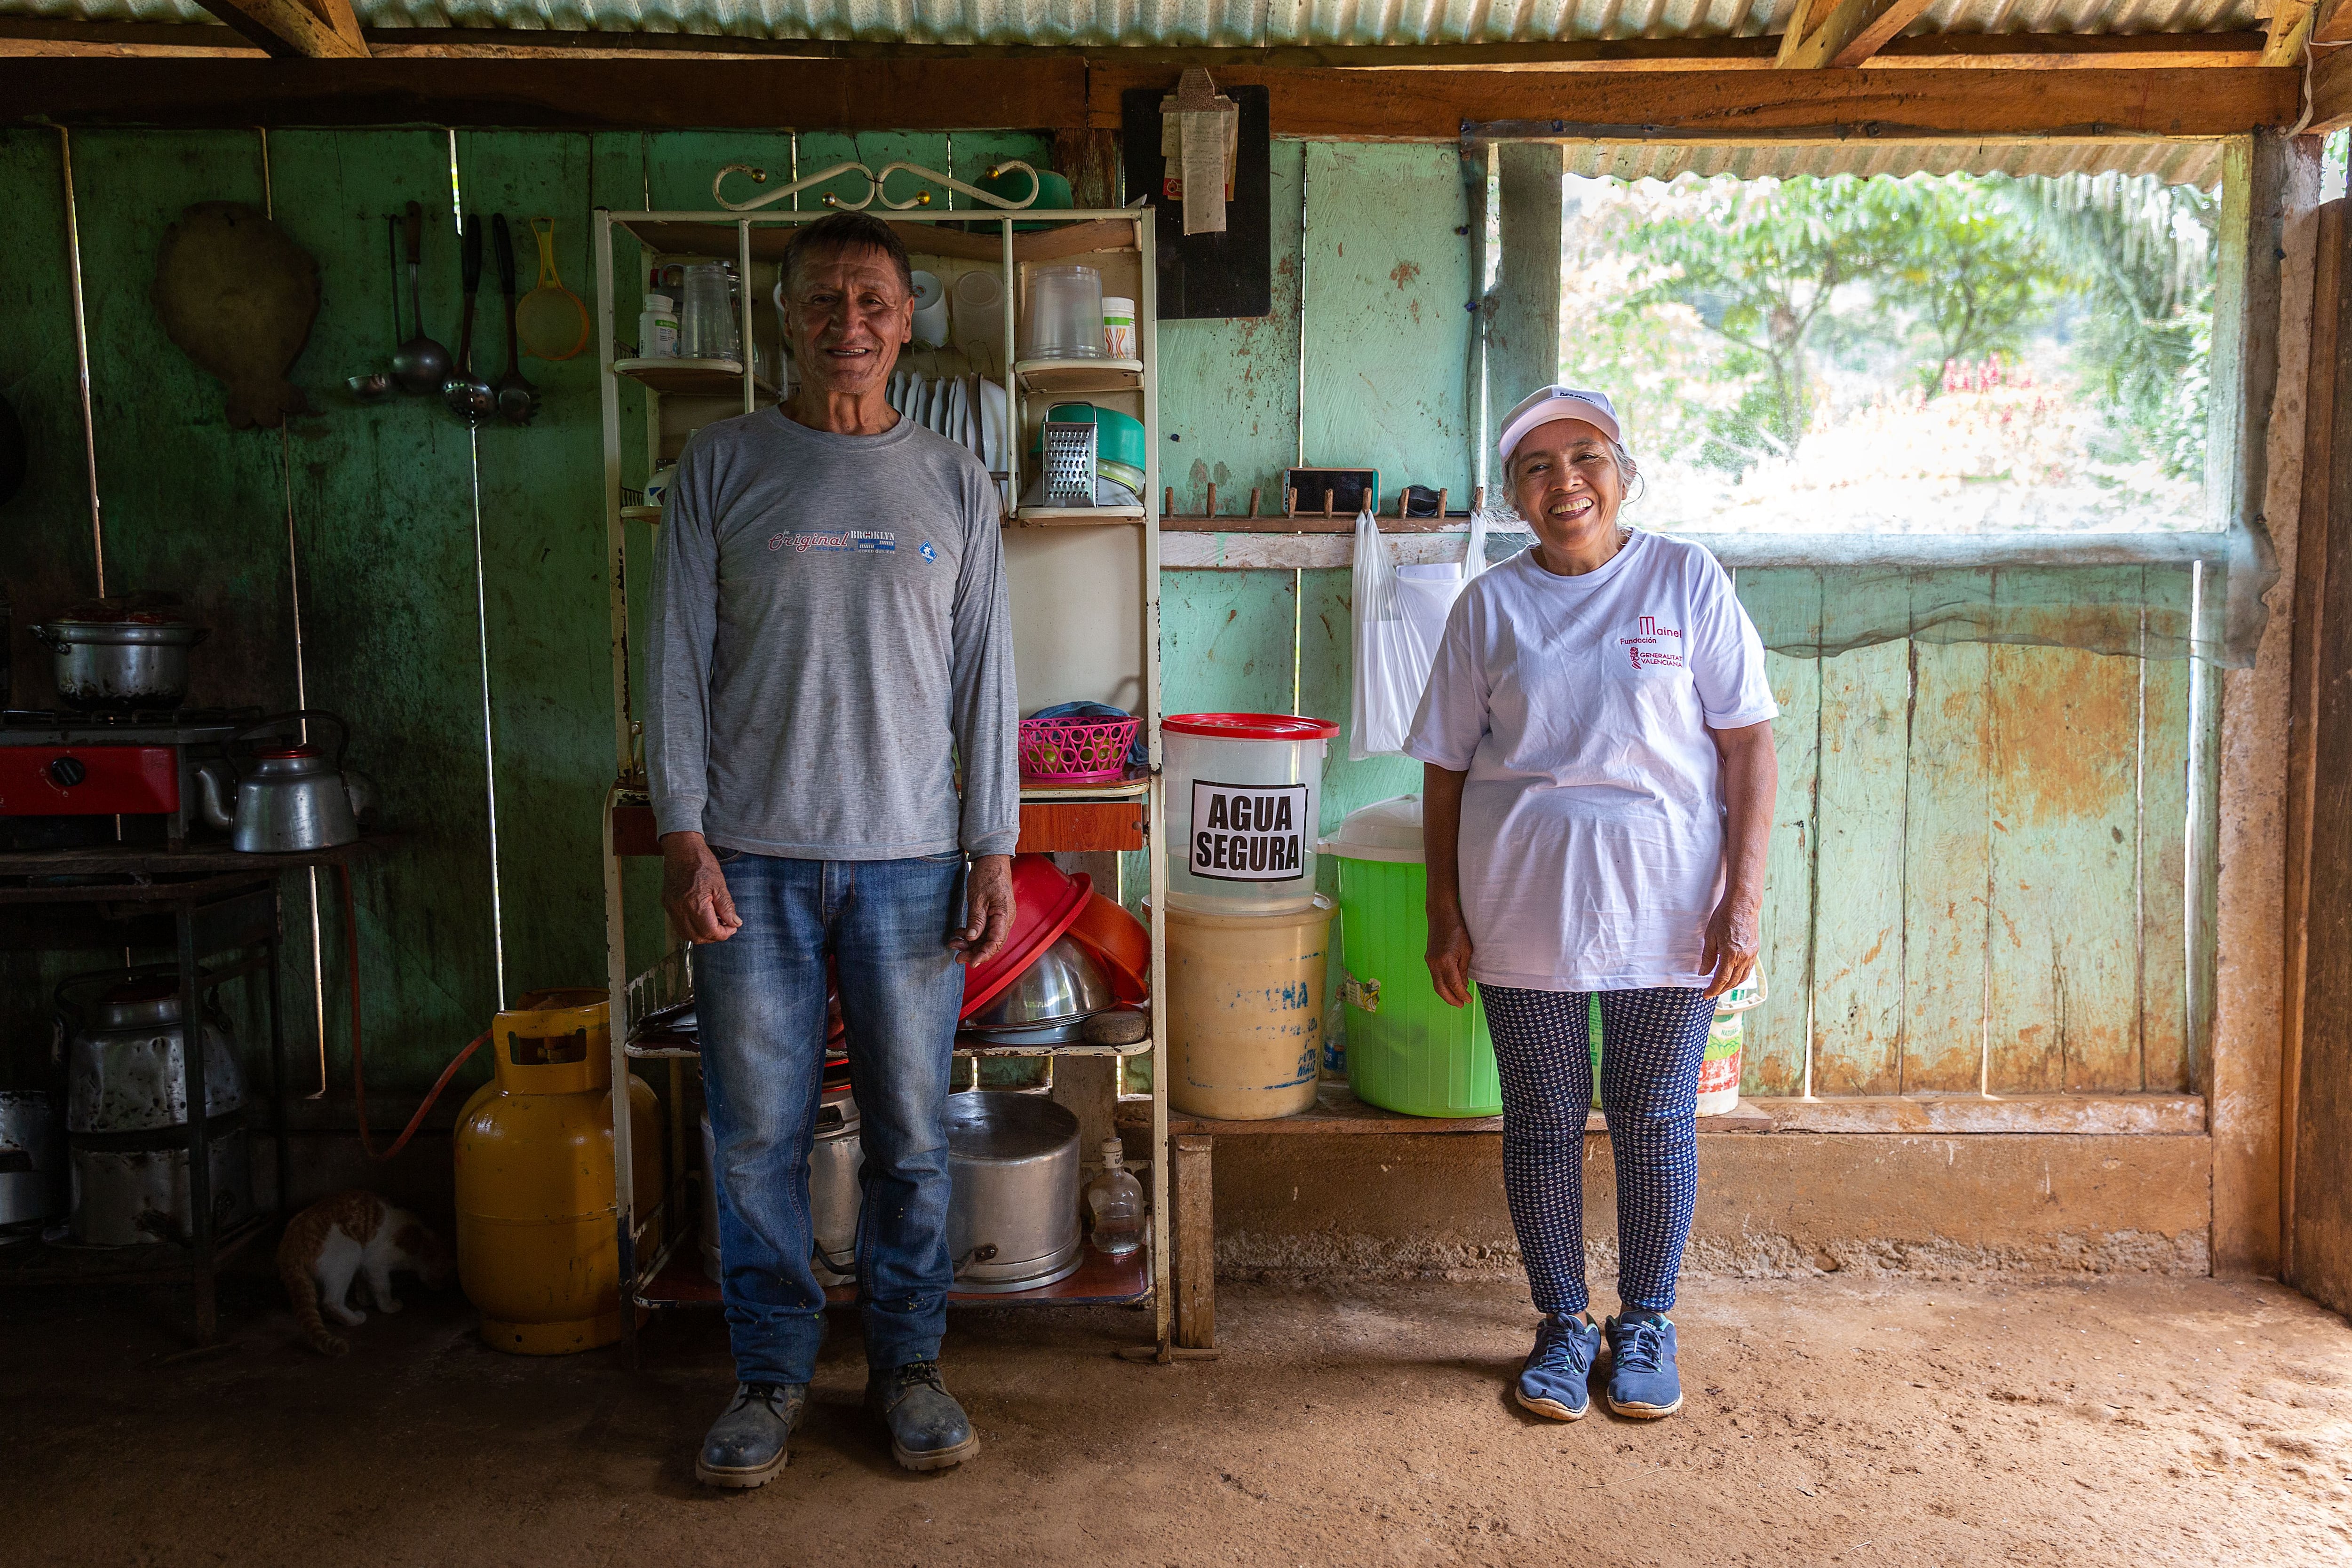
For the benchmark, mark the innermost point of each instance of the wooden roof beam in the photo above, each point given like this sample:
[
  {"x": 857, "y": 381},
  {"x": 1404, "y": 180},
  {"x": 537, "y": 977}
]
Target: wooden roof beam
[
  {"x": 2290, "y": 28},
  {"x": 1847, "y": 33},
  {"x": 303, "y": 29}
]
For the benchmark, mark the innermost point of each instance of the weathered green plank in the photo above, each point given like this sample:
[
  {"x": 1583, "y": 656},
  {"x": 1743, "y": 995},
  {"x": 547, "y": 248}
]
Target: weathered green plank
[
  {"x": 2063, "y": 992},
  {"x": 383, "y": 526},
  {"x": 1227, "y": 640},
  {"x": 542, "y": 538},
  {"x": 1773, "y": 1042},
  {"x": 1385, "y": 283},
  {"x": 876, "y": 150},
  {"x": 188, "y": 503},
  {"x": 1945, "y": 848},
  {"x": 1858, "y": 923},
  {"x": 2203, "y": 856},
  {"x": 47, "y": 557},
  {"x": 2163, "y": 849},
  {"x": 1229, "y": 388}
]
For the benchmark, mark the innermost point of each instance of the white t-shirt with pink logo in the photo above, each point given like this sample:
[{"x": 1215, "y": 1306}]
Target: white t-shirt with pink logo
[{"x": 1592, "y": 850}]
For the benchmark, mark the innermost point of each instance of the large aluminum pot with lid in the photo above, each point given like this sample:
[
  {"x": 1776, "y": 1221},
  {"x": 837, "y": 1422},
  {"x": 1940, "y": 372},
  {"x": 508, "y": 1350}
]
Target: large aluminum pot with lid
[
  {"x": 835, "y": 1199},
  {"x": 32, "y": 1158},
  {"x": 126, "y": 1071},
  {"x": 1013, "y": 1215},
  {"x": 120, "y": 665}
]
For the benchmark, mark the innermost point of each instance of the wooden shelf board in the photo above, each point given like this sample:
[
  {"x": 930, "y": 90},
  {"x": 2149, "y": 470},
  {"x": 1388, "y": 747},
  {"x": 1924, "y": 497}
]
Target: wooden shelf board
[
  {"x": 770, "y": 238},
  {"x": 1058, "y": 377},
  {"x": 1133, "y": 786},
  {"x": 1100, "y": 1281},
  {"x": 1338, "y": 1111},
  {"x": 968, "y": 1046},
  {"x": 691, "y": 378},
  {"x": 1075, "y": 517}
]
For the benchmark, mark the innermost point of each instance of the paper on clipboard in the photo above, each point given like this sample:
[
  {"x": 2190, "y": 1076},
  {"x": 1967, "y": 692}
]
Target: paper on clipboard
[{"x": 1200, "y": 136}]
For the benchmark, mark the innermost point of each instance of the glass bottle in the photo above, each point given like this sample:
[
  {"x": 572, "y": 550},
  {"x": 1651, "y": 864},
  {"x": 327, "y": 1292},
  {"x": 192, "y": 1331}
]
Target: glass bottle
[{"x": 1114, "y": 1202}]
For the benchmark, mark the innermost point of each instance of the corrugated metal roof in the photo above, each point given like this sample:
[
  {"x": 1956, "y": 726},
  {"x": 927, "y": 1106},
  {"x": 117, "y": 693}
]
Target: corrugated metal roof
[
  {"x": 1221, "y": 24},
  {"x": 2177, "y": 163}
]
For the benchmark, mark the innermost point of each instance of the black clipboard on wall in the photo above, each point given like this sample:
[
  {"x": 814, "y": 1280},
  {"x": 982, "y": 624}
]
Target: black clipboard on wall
[{"x": 1216, "y": 275}]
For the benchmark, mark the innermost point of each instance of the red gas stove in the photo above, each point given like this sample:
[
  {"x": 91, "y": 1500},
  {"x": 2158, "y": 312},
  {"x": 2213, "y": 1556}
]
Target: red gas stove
[{"x": 64, "y": 775}]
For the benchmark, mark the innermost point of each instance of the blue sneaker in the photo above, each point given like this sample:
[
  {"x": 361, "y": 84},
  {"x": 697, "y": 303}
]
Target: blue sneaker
[
  {"x": 1555, "y": 1382},
  {"x": 1643, "y": 1382}
]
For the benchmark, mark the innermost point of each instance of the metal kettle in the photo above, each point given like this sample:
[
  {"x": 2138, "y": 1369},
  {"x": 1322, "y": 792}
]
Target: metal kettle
[{"x": 292, "y": 797}]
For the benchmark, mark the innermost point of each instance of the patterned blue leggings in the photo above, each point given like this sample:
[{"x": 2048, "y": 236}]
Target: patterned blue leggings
[{"x": 1652, "y": 1041}]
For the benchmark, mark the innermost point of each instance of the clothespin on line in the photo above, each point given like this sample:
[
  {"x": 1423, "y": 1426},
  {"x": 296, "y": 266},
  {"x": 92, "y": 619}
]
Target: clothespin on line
[{"x": 1200, "y": 136}]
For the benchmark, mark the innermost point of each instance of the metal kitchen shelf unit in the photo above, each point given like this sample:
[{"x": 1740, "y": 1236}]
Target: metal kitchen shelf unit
[{"x": 1121, "y": 240}]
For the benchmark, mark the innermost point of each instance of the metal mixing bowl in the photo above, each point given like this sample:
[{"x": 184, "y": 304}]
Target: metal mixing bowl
[{"x": 1065, "y": 982}]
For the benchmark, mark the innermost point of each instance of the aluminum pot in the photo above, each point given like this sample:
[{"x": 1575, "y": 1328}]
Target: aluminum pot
[
  {"x": 835, "y": 1161},
  {"x": 33, "y": 1186},
  {"x": 132, "y": 1189},
  {"x": 1012, "y": 1216},
  {"x": 119, "y": 664},
  {"x": 125, "y": 1071}
]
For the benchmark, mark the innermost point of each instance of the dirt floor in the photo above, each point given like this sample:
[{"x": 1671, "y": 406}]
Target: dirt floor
[{"x": 2108, "y": 1421}]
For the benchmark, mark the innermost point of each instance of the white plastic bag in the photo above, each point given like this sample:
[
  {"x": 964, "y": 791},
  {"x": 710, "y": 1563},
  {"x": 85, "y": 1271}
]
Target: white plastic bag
[{"x": 1400, "y": 617}]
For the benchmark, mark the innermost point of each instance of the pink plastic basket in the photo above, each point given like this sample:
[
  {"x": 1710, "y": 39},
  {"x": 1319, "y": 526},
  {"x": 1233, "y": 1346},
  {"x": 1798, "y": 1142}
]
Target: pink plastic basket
[{"x": 1076, "y": 750}]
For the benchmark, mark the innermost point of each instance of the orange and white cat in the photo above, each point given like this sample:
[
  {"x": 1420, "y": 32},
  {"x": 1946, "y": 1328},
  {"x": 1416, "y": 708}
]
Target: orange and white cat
[{"x": 354, "y": 1235}]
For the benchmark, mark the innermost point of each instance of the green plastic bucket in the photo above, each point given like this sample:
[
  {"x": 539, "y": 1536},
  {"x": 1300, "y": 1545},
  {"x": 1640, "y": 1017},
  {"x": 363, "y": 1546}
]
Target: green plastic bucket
[{"x": 1408, "y": 1051}]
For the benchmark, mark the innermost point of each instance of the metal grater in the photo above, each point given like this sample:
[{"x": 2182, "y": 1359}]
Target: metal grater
[{"x": 1069, "y": 463}]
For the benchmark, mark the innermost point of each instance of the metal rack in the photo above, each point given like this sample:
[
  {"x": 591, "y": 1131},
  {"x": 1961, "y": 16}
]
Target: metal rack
[
  {"x": 201, "y": 904},
  {"x": 668, "y": 1276}
]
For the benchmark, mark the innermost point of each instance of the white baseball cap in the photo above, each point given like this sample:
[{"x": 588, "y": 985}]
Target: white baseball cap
[{"x": 1548, "y": 403}]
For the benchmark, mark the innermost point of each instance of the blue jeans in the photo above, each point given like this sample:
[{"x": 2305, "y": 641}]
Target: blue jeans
[{"x": 760, "y": 1001}]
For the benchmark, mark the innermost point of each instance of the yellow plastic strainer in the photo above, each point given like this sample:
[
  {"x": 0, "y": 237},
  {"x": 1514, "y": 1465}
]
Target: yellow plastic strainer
[{"x": 551, "y": 320}]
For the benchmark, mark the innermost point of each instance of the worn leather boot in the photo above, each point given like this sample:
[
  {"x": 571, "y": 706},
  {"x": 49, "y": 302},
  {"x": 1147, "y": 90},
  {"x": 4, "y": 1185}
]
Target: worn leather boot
[
  {"x": 927, "y": 1429},
  {"x": 746, "y": 1445}
]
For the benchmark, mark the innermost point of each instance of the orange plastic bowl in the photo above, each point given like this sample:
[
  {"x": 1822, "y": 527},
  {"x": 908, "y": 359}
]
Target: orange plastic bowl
[{"x": 1122, "y": 942}]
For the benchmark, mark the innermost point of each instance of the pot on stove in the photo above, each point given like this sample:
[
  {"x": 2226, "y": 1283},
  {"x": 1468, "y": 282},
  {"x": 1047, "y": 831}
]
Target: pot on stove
[{"x": 120, "y": 664}]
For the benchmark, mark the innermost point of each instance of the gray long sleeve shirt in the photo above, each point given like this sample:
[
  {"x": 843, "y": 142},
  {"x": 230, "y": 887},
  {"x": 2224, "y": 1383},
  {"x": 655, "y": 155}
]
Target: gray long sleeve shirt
[{"x": 829, "y": 620}]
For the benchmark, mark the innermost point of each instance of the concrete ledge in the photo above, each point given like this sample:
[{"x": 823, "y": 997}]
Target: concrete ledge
[{"x": 1789, "y": 1205}]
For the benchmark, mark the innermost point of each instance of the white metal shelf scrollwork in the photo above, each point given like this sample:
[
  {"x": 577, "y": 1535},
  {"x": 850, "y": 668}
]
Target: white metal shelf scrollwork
[{"x": 876, "y": 186}]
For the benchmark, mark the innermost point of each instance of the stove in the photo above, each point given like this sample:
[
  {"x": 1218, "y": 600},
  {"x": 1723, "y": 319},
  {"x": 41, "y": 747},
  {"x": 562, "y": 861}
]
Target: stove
[{"x": 60, "y": 767}]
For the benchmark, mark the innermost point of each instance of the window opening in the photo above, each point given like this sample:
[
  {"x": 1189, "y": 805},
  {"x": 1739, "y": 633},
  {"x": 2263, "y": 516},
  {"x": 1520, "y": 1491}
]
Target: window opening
[{"x": 1932, "y": 353}]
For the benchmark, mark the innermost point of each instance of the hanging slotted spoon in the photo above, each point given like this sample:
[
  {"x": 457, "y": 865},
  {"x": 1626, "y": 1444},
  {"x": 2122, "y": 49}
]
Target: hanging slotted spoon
[
  {"x": 518, "y": 398},
  {"x": 468, "y": 395}
]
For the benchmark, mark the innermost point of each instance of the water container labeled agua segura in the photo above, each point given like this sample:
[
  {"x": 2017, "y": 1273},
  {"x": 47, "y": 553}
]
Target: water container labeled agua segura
[{"x": 1244, "y": 791}]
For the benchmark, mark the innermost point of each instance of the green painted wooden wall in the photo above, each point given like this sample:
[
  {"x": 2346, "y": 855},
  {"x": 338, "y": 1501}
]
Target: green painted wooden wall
[{"x": 1978, "y": 868}]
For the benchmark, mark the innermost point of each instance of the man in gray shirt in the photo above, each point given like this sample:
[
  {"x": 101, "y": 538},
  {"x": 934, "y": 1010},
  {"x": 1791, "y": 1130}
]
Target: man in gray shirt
[{"x": 830, "y": 637}]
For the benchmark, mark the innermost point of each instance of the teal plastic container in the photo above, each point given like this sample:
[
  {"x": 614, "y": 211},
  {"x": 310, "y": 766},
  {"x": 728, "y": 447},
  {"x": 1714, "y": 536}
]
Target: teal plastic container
[{"x": 1408, "y": 1051}]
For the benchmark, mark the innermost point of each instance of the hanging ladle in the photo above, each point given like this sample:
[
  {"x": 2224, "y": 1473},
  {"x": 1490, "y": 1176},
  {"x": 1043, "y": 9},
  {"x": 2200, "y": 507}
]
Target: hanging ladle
[
  {"x": 420, "y": 364},
  {"x": 468, "y": 395},
  {"x": 518, "y": 398}
]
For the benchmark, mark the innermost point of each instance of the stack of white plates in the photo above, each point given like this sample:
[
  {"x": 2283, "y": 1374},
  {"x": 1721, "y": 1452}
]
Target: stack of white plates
[{"x": 969, "y": 410}]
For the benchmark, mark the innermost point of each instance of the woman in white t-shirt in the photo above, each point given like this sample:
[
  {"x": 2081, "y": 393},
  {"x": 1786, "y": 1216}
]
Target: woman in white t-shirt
[{"x": 1598, "y": 789}]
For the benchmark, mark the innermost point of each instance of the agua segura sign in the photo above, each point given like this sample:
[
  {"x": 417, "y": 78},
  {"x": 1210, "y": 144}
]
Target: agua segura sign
[{"x": 1248, "y": 833}]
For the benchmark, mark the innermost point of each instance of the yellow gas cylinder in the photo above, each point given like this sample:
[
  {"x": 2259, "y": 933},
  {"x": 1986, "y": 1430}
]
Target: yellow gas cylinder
[{"x": 538, "y": 1240}]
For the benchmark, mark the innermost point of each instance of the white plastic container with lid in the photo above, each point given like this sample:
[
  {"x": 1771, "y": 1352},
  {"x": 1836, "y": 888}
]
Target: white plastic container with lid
[
  {"x": 1244, "y": 798},
  {"x": 657, "y": 329},
  {"x": 1119, "y": 328}
]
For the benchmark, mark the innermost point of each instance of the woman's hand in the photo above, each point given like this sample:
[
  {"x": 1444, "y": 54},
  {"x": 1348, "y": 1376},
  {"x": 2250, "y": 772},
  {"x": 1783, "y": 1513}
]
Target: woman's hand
[
  {"x": 1449, "y": 957},
  {"x": 1732, "y": 938}
]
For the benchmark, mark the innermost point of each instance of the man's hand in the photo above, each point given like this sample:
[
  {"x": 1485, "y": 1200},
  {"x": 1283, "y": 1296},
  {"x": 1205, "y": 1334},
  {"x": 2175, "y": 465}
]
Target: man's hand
[
  {"x": 988, "y": 909},
  {"x": 694, "y": 890}
]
